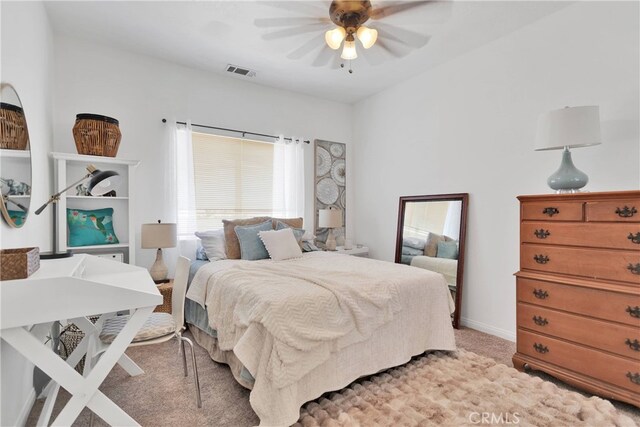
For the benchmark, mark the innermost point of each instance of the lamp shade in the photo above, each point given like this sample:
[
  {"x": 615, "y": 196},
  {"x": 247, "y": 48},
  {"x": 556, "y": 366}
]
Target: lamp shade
[
  {"x": 102, "y": 182},
  {"x": 159, "y": 235},
  {"x": 570, "y": 127},
  {"x": 330, "y": 218}
]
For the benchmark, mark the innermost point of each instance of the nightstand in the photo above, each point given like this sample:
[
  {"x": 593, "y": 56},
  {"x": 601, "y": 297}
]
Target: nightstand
[
  {"x": 166, "y": 289},
  {"x": 358, "y": 250}
]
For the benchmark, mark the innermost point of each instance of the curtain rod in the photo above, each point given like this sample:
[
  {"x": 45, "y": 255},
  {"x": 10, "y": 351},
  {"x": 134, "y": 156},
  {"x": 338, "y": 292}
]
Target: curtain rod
[{"x": 243, "y": 132}]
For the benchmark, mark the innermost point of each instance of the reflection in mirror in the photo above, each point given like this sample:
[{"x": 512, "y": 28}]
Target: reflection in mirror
[
  {"x": 15, "y": 158},
  {"x": 431, "y": 235}
]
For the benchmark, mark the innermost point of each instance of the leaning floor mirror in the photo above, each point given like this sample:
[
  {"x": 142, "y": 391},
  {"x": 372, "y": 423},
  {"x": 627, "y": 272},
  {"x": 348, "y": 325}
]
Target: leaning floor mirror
[{"x": 431, "y": 235}]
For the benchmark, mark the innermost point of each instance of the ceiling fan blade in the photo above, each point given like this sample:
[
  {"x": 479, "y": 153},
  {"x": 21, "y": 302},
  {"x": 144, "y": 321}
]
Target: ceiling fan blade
[
  {"x": 396, "y": 7},
  {"x": 393, "y": 50},
  {"x": 303, "y": 7},
  {"x": 288, "y": 22},
  {"x": 402, "y": 35},
  {"x": 305, "y": 48},
  {"x": 375, "y": 55},
  {"x": 324, "y": 56},
  {"x": 294, "y": 31}
]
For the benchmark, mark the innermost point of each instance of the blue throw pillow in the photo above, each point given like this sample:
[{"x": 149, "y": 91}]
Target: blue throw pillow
[
  {"x": 448, "y": 250},
  {"x": 201, "y": 254},
  {"x": 251, "y": 247},
  {"x": 17, "y": 217},
  {"x": 297, "y": 232},
  {"x": 93, "y": 227}
]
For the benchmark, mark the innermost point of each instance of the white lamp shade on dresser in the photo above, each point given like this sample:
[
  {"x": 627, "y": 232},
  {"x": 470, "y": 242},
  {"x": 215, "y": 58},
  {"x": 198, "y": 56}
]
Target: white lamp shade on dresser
[
  {"x": 159, "y": 235},
  {"x": 330, "y": 218},
  {"x": 570, "y": 127}
]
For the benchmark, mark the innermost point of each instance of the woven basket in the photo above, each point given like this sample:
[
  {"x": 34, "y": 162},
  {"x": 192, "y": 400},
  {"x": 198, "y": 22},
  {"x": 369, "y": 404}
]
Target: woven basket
[
  {"x": 96, "y": 135},
  {"x": 70, "y": 338},
  {"x": 19, "y": 263},
  {"x": 13, "y": 127}
]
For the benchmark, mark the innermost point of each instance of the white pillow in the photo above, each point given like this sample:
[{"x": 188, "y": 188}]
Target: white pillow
[
  {"x": 307, "y": 236},
  {"x": 213, "y": 244},
  {"x": 281, "y": 244}
]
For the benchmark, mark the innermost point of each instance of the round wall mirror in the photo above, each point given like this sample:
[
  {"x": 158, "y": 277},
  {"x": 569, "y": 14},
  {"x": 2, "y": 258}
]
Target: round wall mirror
[{"x": 15, "y": 158}]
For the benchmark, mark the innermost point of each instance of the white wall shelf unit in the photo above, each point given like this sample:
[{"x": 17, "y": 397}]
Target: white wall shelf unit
[{"x": 68, "y": 168}]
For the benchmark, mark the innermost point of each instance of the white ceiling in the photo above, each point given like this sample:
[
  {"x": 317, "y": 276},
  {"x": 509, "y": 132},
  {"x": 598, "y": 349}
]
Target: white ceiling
[{"x": 210, "y": 35}]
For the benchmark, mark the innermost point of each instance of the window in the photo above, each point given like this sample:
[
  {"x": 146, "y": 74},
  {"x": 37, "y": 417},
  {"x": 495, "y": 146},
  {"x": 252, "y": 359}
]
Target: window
[{"x": 233, "y": 179}]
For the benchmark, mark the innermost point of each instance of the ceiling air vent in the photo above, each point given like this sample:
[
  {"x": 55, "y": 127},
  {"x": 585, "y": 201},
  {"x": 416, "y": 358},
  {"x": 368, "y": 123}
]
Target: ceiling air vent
[{"x": 239, "y": 70}]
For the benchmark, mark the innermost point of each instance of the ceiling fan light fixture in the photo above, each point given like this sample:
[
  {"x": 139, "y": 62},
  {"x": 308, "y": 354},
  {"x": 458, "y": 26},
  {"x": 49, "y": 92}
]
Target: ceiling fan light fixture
[
  {"x": 367, "y": 36},
  {"x": 349, "y": 50},
  {"x": 334, "y": 37}
]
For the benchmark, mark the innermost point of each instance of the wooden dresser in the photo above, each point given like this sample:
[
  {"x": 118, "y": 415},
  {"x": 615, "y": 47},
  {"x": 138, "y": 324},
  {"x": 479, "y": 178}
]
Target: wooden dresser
[{"x": 578, "y": 290}]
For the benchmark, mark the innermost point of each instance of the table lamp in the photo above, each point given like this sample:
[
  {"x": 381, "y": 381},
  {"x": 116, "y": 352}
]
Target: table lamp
[
  {"x": 101, "y": 182},
  {"x": 157, "y": 236},
  {"x": 569, "y": 127},
  {"x": 330, "y": 218}
]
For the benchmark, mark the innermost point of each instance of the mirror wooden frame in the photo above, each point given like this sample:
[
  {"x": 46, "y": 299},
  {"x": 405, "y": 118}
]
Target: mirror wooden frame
[{"x": 462, "y": 197}]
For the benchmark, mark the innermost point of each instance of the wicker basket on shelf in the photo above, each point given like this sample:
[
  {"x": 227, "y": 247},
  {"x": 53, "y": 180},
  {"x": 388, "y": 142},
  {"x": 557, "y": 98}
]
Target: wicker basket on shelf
[
  {"x": 13, "y": 127},
  {"x": 19, "y": 263},
  {"x": 97, "y": 135}
]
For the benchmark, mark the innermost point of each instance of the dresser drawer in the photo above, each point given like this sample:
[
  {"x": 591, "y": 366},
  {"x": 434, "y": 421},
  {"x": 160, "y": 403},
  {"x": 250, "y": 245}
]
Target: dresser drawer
[
  {"x": 616, "y": 236},
  {"x": 619, "y": 339},
  {"x": 605, "y": 367},
  {"x": 626, "y": 210},
  {"x": 607, "y": 305},
  {"x": 592, "y": 263},
  {"x": 552, "y": 211}
]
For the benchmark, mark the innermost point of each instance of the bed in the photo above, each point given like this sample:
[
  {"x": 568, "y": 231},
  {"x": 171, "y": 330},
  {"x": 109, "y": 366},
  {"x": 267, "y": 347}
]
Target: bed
[{"x": 293, "y": 330}]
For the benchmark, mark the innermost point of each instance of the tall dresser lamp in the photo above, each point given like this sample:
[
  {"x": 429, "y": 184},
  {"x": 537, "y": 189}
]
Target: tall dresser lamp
[
  {"x": 100, "y": 182},
  {"x": 158, "y": 236},
  {"x": 569, "y": 127},
  {"x": 330, "y": 218}
]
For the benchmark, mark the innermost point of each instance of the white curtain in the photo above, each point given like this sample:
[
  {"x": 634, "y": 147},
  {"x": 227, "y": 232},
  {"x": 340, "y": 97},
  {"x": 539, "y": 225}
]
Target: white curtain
[
  {"x": 185, "y": 199},
  {"x": 288, "y": 178},
  {"x": 452, "y": 221}
]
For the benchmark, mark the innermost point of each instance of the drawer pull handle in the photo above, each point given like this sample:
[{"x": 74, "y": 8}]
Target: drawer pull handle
[
  {"x": 542, "y": 349},
  {"x": 633, "y": 311},
  {"x": 540, "y": 294},
  {"x": 551, "y": 211},
  {"x": 634, "y": 269},
  {"x": 634, "y": 378},
  {"x": 633, "y": 345},
  {"x": 543, "y": 259},
  {"x": 540, "y": 321},
  {"x": 634, "y": 239},
  {"x": 626, "y": 212},
  {"x": 543, "y": 234}
]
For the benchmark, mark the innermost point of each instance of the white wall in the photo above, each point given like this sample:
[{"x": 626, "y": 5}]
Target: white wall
[
  {"x": 27, "y": 48},
  {"x": 469, "y": 126},
  {"x": 140, "y": 91}
]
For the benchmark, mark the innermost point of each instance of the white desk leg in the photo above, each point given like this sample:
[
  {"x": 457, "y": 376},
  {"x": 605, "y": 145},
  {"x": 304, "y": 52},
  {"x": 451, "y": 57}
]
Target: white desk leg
[
  {"x": 130, "y": 366},
  {"x": 47, "y": 408},
  {"x": 89, "y": 387}
]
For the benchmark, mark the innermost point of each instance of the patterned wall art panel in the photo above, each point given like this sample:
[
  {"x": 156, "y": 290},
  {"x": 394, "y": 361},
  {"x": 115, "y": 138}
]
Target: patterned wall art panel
[{"x": 330, "y": 185}]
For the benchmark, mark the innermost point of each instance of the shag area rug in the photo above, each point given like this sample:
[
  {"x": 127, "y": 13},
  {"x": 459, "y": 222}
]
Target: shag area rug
[{"x": 457, "y": 389}]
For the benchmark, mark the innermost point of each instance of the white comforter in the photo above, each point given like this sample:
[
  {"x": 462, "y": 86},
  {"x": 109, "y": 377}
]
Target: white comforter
[{"x": 285, "y": 320}]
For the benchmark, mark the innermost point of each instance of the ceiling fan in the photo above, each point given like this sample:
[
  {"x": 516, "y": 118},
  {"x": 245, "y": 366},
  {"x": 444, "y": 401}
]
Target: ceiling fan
[{"x": 344, "y": 25}]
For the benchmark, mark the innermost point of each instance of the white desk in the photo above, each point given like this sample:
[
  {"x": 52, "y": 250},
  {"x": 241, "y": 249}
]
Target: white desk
[{"x": 73, "y": 289}]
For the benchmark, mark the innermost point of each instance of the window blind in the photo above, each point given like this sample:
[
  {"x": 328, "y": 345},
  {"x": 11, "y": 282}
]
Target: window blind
[{"x": 233, "y": 179}]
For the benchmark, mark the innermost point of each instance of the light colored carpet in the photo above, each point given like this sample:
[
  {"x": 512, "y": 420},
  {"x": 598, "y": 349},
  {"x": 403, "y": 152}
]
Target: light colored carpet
[
  {"x": 163, "y": 397},
  {"x": 457, "y": 389}
]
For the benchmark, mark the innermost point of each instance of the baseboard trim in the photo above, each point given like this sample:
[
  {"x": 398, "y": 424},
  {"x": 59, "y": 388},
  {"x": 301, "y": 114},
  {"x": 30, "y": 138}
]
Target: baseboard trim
[
  {"x": 488, "y": 329},
  {"x": 26, "y": 408}
]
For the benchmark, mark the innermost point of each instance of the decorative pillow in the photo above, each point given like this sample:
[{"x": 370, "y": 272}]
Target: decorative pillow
[
  {"x": 232, "y": 246},
  {"x": 291, "y": 222},
  {"x": 448, "y": 249},
  {"x": 308, "y": 236},
  {"x": 251, "y": 247},
  {"x": 309, "y": 246},
  {"x": 91, "y": 227},
  {"x": 414, "y": 242},
  {"x": 297, "y": 232},
  {"x": 17, "y": 217},
  {"x": 431, "y": 246},
  {"x": 201, "y": 255},
  {"x": 213, "y": 244},
  {"x": 281, "y": 244}
]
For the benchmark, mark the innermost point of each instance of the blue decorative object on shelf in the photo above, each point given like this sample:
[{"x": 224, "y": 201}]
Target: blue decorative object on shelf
[{"x": 92, "y": 227}]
